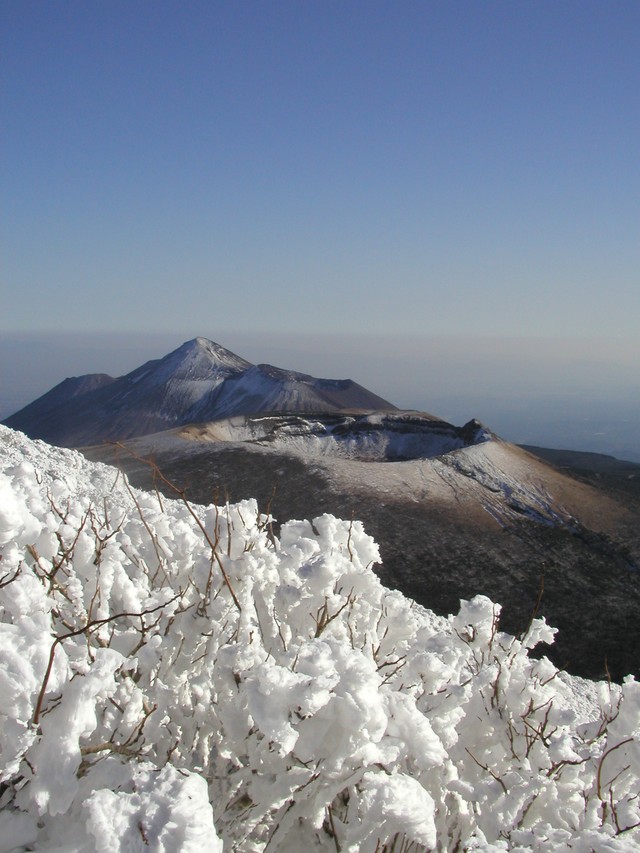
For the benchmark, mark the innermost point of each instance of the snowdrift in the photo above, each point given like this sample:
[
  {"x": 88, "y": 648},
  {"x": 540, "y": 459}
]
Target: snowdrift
[{"x": 175, "y": 678}]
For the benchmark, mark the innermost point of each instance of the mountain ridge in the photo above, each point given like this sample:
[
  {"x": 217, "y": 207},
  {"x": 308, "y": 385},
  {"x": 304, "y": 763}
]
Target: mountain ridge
[{"x": 199, "y": 381}]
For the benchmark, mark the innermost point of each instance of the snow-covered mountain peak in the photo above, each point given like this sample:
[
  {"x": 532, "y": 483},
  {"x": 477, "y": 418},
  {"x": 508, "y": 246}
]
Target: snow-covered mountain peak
[
  {"x": 199, "y": 381},
  {"x": 200, "y": 346},
  {"x": 201, "y": 358}
]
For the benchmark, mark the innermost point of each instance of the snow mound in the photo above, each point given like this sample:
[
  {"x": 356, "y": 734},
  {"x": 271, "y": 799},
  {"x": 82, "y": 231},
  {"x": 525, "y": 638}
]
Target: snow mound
[{"x": 175, "y": 678}]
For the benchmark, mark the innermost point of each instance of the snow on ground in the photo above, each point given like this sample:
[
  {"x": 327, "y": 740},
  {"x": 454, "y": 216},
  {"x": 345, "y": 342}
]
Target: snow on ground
[
  {"x": 431, "y": 460},
  {"x": 372, "y": 437},
  {"x": 175, "y": 678}
]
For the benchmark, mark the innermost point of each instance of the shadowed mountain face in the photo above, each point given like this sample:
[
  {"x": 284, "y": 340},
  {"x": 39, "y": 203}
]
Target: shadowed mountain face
[
  {"x": 200, "y": 381},
  {"x": 456, "y": 512}
]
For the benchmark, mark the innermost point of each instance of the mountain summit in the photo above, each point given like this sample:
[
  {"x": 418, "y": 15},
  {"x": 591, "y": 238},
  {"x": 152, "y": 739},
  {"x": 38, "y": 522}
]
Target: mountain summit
[{"x": 199, "y": 381}]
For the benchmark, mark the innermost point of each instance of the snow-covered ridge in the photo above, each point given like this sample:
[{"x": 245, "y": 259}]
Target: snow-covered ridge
[
  {"x": 175, "y": 678},
  {"x": 199, "y": 381},
  {"x": 371, "y": 437}
]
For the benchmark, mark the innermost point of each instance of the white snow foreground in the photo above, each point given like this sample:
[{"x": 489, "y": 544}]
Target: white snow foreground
[{"x": 142, "y": 708}]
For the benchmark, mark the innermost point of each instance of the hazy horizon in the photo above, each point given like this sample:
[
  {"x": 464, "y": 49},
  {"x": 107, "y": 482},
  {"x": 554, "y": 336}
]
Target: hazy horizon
[{"x": 571, "y": 394}]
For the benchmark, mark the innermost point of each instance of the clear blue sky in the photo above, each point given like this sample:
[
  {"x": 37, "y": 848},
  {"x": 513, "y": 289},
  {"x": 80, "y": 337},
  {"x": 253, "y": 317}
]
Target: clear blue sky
[
  {"x": 446, "y": 167},
  {"x": 404, "y": 169}
]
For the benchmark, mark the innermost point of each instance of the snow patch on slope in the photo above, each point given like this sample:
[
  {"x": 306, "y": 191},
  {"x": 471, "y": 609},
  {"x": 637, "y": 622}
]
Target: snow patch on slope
[{"x": 508, "y": 493}]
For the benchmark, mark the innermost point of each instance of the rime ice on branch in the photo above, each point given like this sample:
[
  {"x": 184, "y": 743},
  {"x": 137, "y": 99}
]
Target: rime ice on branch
[{"x": 142, "y": 707}]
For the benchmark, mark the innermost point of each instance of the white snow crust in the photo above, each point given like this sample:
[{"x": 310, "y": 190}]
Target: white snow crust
[
  {"x": 176, "y": 678},
  {"x": 367, "y": 438}
]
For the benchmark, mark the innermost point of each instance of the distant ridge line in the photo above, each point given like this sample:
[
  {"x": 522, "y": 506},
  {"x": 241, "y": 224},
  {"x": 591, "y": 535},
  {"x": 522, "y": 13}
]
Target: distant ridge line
[{"x": 199, "y": 381}]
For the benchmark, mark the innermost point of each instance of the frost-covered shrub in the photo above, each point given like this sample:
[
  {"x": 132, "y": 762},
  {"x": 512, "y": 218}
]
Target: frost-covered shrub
[{"x": 167, "y": 669}]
